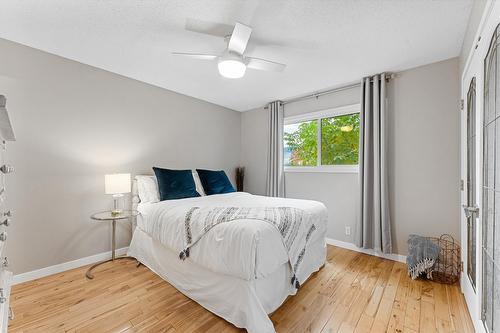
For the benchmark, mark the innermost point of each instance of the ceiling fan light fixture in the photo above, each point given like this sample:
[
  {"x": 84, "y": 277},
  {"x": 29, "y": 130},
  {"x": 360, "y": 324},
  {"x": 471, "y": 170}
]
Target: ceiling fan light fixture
[
  {"x": 232, "y": 68},
  {"x": 233, "y": 62}
]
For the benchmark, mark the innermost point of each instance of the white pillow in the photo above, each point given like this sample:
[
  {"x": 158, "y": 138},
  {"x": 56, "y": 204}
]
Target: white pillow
[{"x": 147, "y": 187}]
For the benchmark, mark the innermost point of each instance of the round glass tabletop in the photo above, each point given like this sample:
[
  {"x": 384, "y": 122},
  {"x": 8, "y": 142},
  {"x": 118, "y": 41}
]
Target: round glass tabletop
[{"x": 108, "y": 215}]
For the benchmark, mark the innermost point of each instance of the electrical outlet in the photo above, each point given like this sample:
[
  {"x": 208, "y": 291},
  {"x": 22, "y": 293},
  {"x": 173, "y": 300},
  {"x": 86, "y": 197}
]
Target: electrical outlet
[{"x": 348, "y": 231}]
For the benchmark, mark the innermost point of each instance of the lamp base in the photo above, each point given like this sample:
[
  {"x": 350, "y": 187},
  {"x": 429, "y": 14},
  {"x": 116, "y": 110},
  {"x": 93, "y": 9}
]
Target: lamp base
[{"x": 116, "y": 211}]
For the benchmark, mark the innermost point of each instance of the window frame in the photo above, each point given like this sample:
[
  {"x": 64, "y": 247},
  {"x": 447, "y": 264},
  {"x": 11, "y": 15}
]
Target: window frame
[{"x": 317, "y": 116}]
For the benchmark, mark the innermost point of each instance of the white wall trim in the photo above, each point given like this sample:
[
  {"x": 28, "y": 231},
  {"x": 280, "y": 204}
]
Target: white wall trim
[
  {"x": 350, "y": 246},
  {"x": 482, "y": 23},
  {"x": 327, "y": 113},
  {"x": 323, "y": 169},
  {"x": 46, "y": 271}
]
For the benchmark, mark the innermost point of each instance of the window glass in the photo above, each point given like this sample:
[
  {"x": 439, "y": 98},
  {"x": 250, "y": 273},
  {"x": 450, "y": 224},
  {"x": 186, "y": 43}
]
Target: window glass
[
  {"x": 300, "y": 143},
  {"x": 340, "y": 140}
]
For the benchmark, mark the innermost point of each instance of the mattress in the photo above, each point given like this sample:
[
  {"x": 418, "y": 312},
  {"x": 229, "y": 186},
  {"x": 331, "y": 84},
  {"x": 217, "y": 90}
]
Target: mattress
[{"x": 247, "y": 249}]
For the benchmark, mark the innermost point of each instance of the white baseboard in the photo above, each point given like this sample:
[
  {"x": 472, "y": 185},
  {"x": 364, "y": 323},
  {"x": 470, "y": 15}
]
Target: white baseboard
[
  {"x": 46, "y": 271},
  {"x": 350, "y": 246}
]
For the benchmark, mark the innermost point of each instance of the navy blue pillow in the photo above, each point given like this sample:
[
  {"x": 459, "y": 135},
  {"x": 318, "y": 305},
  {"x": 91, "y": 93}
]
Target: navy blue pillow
[
  {"x": 175, "y": 184},
  {"x": 215, "y": 182}
]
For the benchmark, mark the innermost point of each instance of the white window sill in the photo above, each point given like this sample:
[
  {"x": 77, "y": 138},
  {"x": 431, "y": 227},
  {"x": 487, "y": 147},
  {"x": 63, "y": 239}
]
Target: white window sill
[{"x": 324, "y": 169}]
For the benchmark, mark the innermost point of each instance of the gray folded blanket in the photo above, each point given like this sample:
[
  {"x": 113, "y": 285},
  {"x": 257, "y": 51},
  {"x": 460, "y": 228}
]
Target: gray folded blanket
[{"x": 422, "y": 255}]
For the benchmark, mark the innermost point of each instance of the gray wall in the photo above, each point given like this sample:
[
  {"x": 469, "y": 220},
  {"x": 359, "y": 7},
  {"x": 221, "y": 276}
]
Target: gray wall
[
  {"x": 254, "y": 141},
  {"x": 75, "y": 123},
  {"x": 424, "y": 156},
  {"x": 338, "y": 192},
  {"x": 424, "y": 152}
]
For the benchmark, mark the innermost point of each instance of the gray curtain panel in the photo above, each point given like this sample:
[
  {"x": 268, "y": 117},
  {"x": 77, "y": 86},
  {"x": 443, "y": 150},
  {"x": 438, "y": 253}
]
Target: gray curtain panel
[
  {"x": 275, "y": 183},
  {"x": 374, "y": 226}
]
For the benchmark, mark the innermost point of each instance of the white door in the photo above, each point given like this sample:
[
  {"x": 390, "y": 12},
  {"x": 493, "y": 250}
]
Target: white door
[
  {"x": 480, "y": 137},
  {"x": 490, "y": 252},
  {"x": 471, "y": 188}
]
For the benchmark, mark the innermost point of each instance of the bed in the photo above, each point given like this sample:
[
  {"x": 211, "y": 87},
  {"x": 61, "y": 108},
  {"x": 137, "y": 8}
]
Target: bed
[{"x": 239, "y": 270}]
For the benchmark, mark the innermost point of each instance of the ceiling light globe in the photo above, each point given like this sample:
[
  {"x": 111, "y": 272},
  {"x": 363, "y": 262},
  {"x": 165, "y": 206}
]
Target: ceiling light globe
[{"x": 232, "y": 68}]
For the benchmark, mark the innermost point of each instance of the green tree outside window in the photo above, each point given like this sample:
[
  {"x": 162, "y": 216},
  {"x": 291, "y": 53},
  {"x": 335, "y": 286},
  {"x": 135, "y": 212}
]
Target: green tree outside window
[{"x": 339, "y": 141}]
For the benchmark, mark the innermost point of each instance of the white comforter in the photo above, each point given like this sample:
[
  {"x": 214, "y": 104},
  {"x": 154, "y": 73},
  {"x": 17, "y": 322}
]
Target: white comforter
[{"x": 246, "y": 249}]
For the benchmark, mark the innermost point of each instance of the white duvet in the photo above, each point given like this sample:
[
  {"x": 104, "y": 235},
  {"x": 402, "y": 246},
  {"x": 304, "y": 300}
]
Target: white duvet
[{"x": 247, "y": 249}]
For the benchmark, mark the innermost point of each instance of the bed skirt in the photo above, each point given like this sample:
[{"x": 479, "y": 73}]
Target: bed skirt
[{"x": 244, "y": 303}]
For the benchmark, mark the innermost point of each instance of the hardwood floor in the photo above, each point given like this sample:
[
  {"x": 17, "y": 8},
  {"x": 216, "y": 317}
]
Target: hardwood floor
[{"x": 353, "y": 292}]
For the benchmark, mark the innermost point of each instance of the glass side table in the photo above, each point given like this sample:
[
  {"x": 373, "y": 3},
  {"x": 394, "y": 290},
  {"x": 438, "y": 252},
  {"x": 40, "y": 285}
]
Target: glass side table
[{"x": 107, "y": 216}]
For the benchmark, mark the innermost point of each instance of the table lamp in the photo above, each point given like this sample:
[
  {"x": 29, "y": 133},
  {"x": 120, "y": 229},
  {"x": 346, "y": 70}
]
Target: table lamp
[{"x": 117, "y": 184}]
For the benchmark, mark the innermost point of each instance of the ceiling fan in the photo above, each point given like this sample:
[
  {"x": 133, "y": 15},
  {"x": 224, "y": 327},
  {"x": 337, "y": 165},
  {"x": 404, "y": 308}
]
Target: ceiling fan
[{"x": 232, "y": 63}]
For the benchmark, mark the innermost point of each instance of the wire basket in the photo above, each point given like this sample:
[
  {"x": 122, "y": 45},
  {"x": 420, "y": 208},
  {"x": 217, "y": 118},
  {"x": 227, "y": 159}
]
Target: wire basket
[{"x": 448, "y": 265}]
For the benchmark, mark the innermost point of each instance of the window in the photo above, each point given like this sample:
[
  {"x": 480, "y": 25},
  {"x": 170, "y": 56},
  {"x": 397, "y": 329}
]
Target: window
[
  {"x": 324, "y": 141},
  {"x": 301, "y": 143}
]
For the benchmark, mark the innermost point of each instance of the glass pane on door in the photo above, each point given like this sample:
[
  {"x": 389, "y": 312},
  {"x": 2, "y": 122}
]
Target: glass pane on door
[
  {"x": 490, "y": 247},
  {"x": 496, "y": 297},
  {"x": 471, "y": 181},
  {"x": 488, "y": 292}
]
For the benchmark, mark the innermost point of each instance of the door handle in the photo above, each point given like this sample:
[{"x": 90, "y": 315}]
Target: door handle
[{"x": 470, "y": 210}]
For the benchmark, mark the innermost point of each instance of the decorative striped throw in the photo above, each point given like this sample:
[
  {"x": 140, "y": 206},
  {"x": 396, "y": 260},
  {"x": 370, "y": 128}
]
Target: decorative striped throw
[{"x": 294, "y": 225}]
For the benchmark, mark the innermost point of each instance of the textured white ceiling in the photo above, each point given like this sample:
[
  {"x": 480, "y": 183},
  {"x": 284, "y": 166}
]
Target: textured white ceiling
[{"x": 324, "y": 43}]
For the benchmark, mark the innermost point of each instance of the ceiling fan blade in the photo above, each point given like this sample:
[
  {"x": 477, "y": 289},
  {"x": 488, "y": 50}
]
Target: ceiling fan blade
[
  {"x": 196, "y": 55},
  {"x": 265, "y": 65},
  {"x": 208, "y": 27},
  {"x": 239, "y": 38}
]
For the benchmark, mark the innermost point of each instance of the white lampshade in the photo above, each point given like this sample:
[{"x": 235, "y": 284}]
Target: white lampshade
[{"x": 117, "y": 183}]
